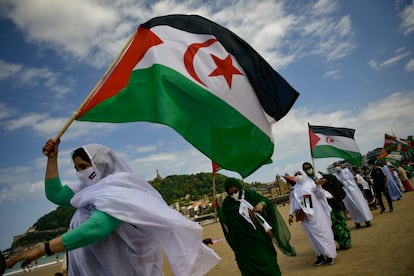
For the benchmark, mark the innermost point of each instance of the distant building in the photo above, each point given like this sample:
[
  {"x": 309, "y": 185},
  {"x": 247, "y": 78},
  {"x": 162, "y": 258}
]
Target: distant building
[
  {"x": 157, "y": 177},
  {"x": 275, "y": 189}
]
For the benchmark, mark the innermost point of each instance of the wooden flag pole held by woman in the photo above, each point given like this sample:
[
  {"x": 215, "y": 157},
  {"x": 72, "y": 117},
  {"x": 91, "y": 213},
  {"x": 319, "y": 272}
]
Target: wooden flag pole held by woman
[{"x": 93, "y": 91}]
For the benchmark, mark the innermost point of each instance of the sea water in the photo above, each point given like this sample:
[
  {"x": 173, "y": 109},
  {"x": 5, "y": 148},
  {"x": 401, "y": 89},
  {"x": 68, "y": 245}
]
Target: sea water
[{"x": 41, "y": 262}]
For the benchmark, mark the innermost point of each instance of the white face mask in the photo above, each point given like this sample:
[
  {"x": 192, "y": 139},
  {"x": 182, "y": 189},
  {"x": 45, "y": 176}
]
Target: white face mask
[
  {"x": 235, "y": 196},
  {"x": 309, "y": 171},
  {"x": 337, "y": 168},
  {"x": 88, "y": 176},
  {"x": 299, "y": 178}
]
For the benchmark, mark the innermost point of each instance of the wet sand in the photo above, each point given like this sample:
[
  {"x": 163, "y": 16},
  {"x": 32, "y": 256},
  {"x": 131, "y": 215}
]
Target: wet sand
[{"x": 385, "y": 248}]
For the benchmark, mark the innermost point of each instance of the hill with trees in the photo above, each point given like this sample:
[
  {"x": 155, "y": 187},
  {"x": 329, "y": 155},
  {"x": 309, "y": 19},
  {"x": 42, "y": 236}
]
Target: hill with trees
[{"x": 181, "y": 188}]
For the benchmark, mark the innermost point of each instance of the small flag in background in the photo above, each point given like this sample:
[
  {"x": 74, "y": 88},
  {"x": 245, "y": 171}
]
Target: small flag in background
[
  {"x": 393, "y": 143},
  {"x": 382, "y": 154},
  {"x": 328, "y": 141},
  {"x": 215, "y": 167},
  {"x": 202, "y": 80}
]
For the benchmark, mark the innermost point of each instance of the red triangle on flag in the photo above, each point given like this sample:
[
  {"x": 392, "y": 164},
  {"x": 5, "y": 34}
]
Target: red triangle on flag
[
  {"x": 313, "y": 139},
  {"x": 215, "y": 167}
]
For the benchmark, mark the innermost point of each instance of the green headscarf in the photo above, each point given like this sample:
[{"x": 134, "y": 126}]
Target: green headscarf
[{"x": 232, "y": 182}]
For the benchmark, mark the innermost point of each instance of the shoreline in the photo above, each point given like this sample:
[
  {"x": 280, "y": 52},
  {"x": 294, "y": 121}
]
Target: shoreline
[{"x": 58, "y": 264}]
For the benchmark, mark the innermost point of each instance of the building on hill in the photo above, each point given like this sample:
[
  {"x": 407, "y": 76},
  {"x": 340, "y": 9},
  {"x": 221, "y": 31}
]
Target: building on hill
[
  {"x": 158, "y": 177},
  {"x": 276, "y": 191}
]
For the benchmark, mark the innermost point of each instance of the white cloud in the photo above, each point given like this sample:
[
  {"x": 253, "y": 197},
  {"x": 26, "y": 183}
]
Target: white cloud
[
  {"x": 324, "y": 34},
  {"x": 410, "y": 65},
  {"x": 45, "y": 77},
  {"x": 74, "y": 33},
  {"x": 74, "y": 27},
  {"x": 6, "y": 111},
  {"x": 8, "y": 70},
  {"x": 34, "y": 76},
  {"x": 25, "y": 121},
  {"x": 15, "y": 184},
  {"x": 332, "y": 74},
  {"x": 335, "y": 37},
  {"x": 407, "y": 16},
  {"x": 46, "y": 126},
  {"x": 324, "y": 6},
  {"x": 387, "y": 63},
  {"x": 149, "y": 148}
]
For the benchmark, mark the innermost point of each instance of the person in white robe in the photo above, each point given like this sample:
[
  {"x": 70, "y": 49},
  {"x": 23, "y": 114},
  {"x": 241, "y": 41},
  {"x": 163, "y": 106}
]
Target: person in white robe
[
  {"x": 308, "y": 202},
  {"x": 355, "y": 202},
  {"x": 141, "y": 225},
  {"x": 393, "y": 189}
]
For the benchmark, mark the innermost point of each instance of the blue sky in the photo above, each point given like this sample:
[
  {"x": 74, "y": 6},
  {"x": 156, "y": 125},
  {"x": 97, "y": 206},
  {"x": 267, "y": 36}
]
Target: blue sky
[{"x": 352, "y": 61}]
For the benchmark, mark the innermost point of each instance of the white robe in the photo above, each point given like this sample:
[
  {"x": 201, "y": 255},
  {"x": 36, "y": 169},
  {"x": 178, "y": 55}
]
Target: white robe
[
  {"x": 354, "y": 202},
  {"x": 150, "y": 227},
  {"x": 311, "y": 198}
]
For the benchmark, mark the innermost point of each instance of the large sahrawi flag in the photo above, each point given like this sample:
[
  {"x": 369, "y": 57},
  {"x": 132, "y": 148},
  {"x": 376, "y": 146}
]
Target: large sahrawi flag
[
  {"x": 328, "y": 141},
  {"x": 202, "y": 80}
]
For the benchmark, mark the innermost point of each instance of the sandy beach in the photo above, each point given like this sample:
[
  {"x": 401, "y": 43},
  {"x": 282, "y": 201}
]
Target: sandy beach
[{"x": 385, "y": 248}]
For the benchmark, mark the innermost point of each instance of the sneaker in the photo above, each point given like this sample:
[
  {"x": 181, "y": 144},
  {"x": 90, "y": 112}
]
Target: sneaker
[
  {"x": 329, "y": 261},
  {"x": 319, "y": 260},
  {"x": 368, "y": 223},
  {"x": 358, "y": 225},
  {"x": 382, "y": 210}
]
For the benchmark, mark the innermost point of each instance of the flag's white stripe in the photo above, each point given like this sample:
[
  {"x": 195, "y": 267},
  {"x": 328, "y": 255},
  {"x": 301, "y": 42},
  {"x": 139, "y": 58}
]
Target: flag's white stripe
[
  {"x": 241, "y": 96},
  {"x": 340, "y": 142}
]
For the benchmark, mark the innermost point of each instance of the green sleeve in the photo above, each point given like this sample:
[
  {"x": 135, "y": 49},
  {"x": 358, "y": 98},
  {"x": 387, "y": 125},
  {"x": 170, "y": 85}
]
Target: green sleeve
[
  {"x": 97, "y": 227},
  {"x": 221, "y": 215},
  {"x": 56, "y": 193}
]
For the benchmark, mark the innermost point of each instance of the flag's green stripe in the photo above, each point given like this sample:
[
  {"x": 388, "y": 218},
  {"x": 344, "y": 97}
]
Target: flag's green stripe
[
  {"x": 329, "y": 151},
  {"x": 159, "y": 94}
]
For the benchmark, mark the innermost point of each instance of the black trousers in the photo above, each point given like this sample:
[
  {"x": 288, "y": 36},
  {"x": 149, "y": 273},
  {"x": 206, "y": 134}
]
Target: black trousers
[{"x": 378, "y": 193}]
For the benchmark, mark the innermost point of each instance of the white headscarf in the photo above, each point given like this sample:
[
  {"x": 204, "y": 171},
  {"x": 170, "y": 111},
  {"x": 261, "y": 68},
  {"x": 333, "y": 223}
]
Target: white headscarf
[{"x": 104, "y": 160}]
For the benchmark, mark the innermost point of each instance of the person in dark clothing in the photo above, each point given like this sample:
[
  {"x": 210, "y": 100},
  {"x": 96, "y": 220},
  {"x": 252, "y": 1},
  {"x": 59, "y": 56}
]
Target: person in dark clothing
[
  {"x": 380, "y": 183},
  {"x": 342, "y": 232},
  {"x": 241, "y": 217},
  {"x": 340, "y": 228}
]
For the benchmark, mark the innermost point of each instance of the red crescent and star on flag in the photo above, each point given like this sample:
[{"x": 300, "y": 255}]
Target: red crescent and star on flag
[
  {"x": 314, "y": 139},
  {"x": 330, "y": 140},
  {"x": 224, "y": 67}
]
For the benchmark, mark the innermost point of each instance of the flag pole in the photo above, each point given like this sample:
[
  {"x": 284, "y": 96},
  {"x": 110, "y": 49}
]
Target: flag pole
[
  {"x": 213, "y": 176},
  {"x": 314, "y": 169},
  {"x": 93, "y": 91},
  {"x": 313, "y": 159}
]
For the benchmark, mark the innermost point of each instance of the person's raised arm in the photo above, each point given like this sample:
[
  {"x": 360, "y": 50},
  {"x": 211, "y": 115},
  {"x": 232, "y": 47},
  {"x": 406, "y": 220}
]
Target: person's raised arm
[
  {"x": 51, "y": 148},
  {"x": 55, "y": 192}
]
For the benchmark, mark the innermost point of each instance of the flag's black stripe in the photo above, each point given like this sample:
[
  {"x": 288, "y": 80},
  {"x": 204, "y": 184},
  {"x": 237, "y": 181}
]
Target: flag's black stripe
[
  {"x": 333, "y": 131},
  {"x": 274, "y": 93}
]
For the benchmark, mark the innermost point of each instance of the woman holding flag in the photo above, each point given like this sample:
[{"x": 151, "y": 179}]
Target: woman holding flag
[{"x": 121, "y": 225}]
